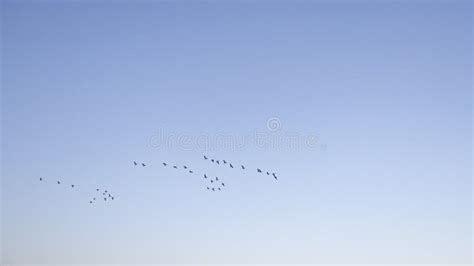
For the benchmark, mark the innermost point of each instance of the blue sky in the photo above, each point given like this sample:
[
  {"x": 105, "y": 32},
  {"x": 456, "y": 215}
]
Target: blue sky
[{"x": 386, "y": 88}]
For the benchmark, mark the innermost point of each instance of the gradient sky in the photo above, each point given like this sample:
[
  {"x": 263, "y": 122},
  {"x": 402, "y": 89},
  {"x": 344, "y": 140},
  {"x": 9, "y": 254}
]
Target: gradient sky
[{"x": 385, "y": 87}]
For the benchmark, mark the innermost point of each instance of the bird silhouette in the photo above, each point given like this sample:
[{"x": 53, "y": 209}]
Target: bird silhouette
[
  {"x": 223, "y": 184},
  {"x": 143, "y": 164},
  {"x": 219, "y": 188},
  {"x": 185, "y": 167},
  {"x": 213, "y": 189},
  {"x": 212, "y": 181},
  {"x": 217, "y": 179},
  {"x": 191, "y": 172},
  {"x": 97, "y": 189},
  {"x": 205, "y": 158},
  {"x": 59, "y": 182},
  {"x": 205, "y": 176},
  {"x": 231, "y": 166},
  {"x": 93, "y": 198},
  {"x": 212, "y": 160},
  {"x": 224, "y": 161},
  {"x": 243, "y": 167},
  {"x": 72, "y": 186},
  {"x": 268, "y": 173},
  {"x": 217, "y": 161},
  {"x": 112, "y": 198},
  {"x": 165, "y": 164},
  {"x": 207, "y": 188},
  {"x": 90, "y": 201},
  {"x": 135, "y": 163},
  {"x": 258, "y": 170},
  {"x": 41, "y": 179},
  {"x": 175, "y": 167},
  {"x": 275, "y": 176},
  {"x": 105, "y": 199}
]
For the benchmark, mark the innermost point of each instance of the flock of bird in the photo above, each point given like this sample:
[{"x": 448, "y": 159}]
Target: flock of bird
[
  {"x": 212, "y": 183},
  {"x": 224, "y": 162},
  {"x": 105, "y": 193}
]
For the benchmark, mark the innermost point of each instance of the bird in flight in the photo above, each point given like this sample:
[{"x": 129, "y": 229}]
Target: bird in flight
[
  {"x": 185, "y": 167},
  {"x": 165, "y": 164},
  {"x": 90, "y": 201},
  {"x": 175, "y": 167},
  {"x": 205, "y": 176},
  {"x": 224, "y": 161},
  {"x": 231, "y": 166},
  {"x": 258, "y": 170},
  {"x": 207, "y": 188},
  {"x": 59, "y": 182},
  {"x": 72, "y": 186},
  {"x": 217, "y": 179},
  {"x": 275, "y": 176},
  {"x": 191, "y": 172},
  {"x": 212, "y": 160},
  {"x": 143, "y": 164},
  {"x": 243, "y": 167},
  {"x": 213, "y": 189},
  {"x": 219, "y": 188},
  {"x": 217, "y": 161},
  {"x": 223, "y": 184},
  {"x": 268, "y": 173},
  {"x": 41, "y": 179},
  {"x": 112, "y": 198},
  {"x": 205, "y": 158},
  {"x": 135, "y": 163},
  {"x": 212, "y": 181}
]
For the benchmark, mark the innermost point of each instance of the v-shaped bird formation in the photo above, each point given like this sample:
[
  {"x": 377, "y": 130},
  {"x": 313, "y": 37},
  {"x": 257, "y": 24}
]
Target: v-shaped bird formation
[{"x": 211, "y": 183}]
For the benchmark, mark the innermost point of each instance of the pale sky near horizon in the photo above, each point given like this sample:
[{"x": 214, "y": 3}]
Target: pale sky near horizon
[{"x": 386, "y": 89}]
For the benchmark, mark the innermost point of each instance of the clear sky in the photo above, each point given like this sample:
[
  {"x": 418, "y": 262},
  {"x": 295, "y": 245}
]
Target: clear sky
[{"x": 386, "y": 89}]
